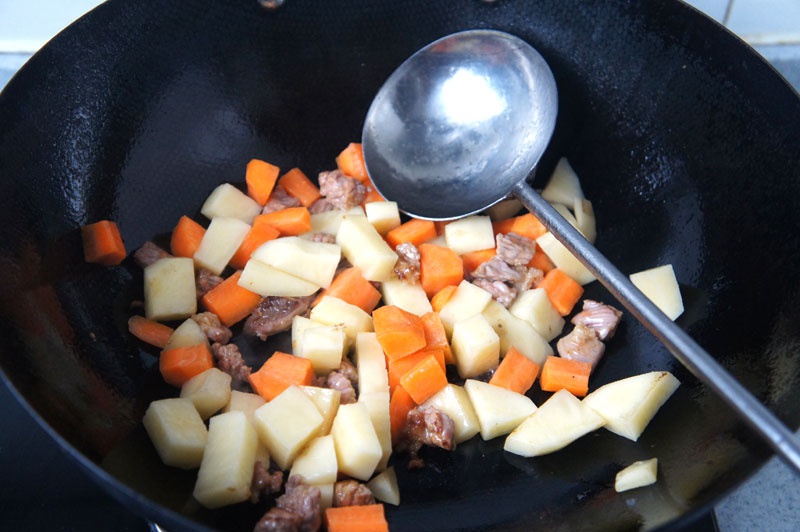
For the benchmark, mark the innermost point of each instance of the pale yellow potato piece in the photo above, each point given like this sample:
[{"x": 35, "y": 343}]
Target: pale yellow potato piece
[
  {"x": 454, "y": 401},
  {"x": 383, "y": 215},
  {"x": 637, "y": 475},
  {"x": 516, "y": 332},
  {"x": 410, "y": 297},
  {"x": 169, "y": 289},
  {"x": 475, "y": 346},
  {"x": 329, "y": 221},
  {"x": 229, "y": 202},
  {"x": 324, "y": 346},
  {"x": 534, "y": 307},
  {"x": 244, "y": 402},
  {"x": 563, "y": 187},
  {"x": 327, "y": 401},
  {"x": 209, "y": 391},
  {"x": 472, "y": 233},
  {"x": 186, "y": 334},
  {"x": 364, "y": 247},
  {"x": 220, "y": 242},
  {"x": 358, "y": 450},
  {"x": 377, "y": 404},
  {"x": 265, "y": 280},
  {"x": 311, "y": 261},
  {"x": 498, "y": 410},
  {"x": 371, "y": 364},
  {"x": 564, "y": 259},
  {"x": 317, "y": 462},
  {"x": 177, "y": 432},
  {"x": 334, "y": 311},
  {"x": 384, "y": 486},
  {"x": 661, "y": 287},
  {"x": 465, "y": 302}
]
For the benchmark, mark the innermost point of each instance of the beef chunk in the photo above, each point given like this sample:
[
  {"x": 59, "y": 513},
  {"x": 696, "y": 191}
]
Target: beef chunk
[
  {"x": 601, "y": 318},
  {"x": 278, "y": 520},
  {"x": 426, "y": 425},
  {"x": 337, "y": 381},
  {"x": 407, "y": 267},
  {"x": 230, "y": 360},
  {"x": 215, "y": 331},
  {"x": 279, "y": 200},
  {"x": 321, "y": 205},
  {"x": 265, "y": 482},
  {"x": 514, "y": 249},
  {"x": 340, "y": 190},
  {"x": 304, "y": 501},
  {"x": 581, "y": 344},
  {"x": 352, "y": 493},
  {"x": 148, "y": 254},
  {"x": 205, "y": 281},
  {"x": 274, "y": 314},
  {"x": 501, "y": 292}
]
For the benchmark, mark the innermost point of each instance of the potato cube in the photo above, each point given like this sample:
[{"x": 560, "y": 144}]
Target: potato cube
[
  {"x": 563, "y": 187},
  {"x": 377, "y": 404},
  {"x": 469, "y": 234},
  {"x": 324, "y": 345},
  {"x": 209, "y": 391},
  {"x": 334, "y": 311},
  {"x": 408, "y": 296},
  {"x": 564, "y": 259},
  {"x": 358, "y": 449},
  {"x": 329, "y": 221},
  {"x": 466, "y": 301},
  {"x": 454, "y": 401},
  {"x": 585, "y": 219},
  {"x": 384, "y": 485},
  {"x": 661, "y": 287},
  {"x": 220, "y": 241},
  {"x": 475, "y": 345},
  {"x": 534, "y": 307},
  {"x": 637, "y": 475},
  {"x": 299, "y": 325},
  {"x": 169, "y": 289},
  {"x": 383, "y": 215},
  {"x": 312, "y": 261},
  {"x": 364, "y": 247},
  {"x": 227, "y": 201},
  {"x": 244, "y": 402},
  {"x": 186, "y": 334},
  {"x": 327, "y": 402},
  {"x": 371, "y": 364},
  {"x": 317, "y": 462},
  {"x": 177, "y": 432},
  {"x": 265, "y": 280},
  {"x": 516, "y": 332},
  {"x": 498, "y": 410}
]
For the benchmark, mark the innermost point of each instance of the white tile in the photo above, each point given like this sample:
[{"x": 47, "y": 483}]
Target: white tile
[
  {"x": 26, "y": 26},
  {"x": 713, "y": 8},
  {"x": 766, "y": 21}
]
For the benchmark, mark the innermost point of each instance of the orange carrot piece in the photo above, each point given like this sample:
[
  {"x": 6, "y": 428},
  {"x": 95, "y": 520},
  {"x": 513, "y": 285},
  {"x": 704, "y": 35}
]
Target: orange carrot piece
[
  {"x": 186, "y": 237},
  {"x": 541, "y": 260},
  {"x": 229, "y": 301},
  {"x": 526, "y": 225},
  {"x": 562, "y": 290},
  {"x": 149, "y": 331},
  {"x": 415, "y": 231},
  {"x": 257, "y": 235},
  {"x": 291, "y": 221},
  {"x": 398, "y": 368},
  {"x": 351, "y": 286},
  {"x": 572, "y": 375},
  {"x": 260, "y": 177},
  {"x": 474, "y": 259},
  {"x": 351, "y": 162},
  {"x": 102, "y": 243},
  {"x": 516, "y": 372},
  {"x": 442, "y": 297},
  {"x": 280, "y": 371},
  {"x": 364, "y": 518},
  {"x": 439, "y": 266},
  {"x": 400, "y": 405},
  {"x": 399, "y": 332},
  {"x": 180, "y": 364},
  {"x": 436, "y": 337},
  {"x": 424, "y": 379},
  {"x": 298, "y": 185}
]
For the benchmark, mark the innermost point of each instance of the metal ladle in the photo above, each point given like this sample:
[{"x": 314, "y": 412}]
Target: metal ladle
[{"x": 462, "y": 124}]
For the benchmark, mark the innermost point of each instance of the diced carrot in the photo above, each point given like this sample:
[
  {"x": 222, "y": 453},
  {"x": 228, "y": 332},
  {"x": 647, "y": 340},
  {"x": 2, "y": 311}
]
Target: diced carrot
[
  {"x": 424, "y": 379},
  {"x": 149, "y": 331},
  {"x": 399, "y": 332},
  {"x": 280, "y": 371},
  {"x": 186, "y": 237},
  {"x": 541, "y": 260},
  {"x": 257, "y": 235},
  {"x": 562, "y": 290},
  {"x": 260, "y": 178},
  {"x": 400, "y": 405},
  {"x": 397, "y": 368},
  {"x": 436, "y": 336},
  {"x": 516, "y": 372},
  {"x": 291, "y": 221},
  {"x": 351, "y": 286},
  {"x": 180, "y": 364},
  {"x": 572, "y": 375},
  {"x": 351, "y": 162},
  {"x": 524, "y": 225},
  {"x": 441, "y": 297},
  {"x": 474, "y": 259},
  {"x": 102, "y": 243},
  {"x": 298, "y": 185},
  {"x": 364, "y": 518},
  {"x": 439, "y": 266},
  {"x": 415, "y": 231},
  {"x": 231, "y": 302}
]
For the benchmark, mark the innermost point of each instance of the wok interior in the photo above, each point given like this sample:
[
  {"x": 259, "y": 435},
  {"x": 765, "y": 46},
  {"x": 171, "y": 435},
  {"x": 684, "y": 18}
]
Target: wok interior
[{"x": 684, "y": 141}]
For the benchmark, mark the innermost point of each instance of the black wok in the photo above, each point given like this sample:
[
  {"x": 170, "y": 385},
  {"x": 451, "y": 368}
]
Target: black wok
[{"x": 685, "y": 140}]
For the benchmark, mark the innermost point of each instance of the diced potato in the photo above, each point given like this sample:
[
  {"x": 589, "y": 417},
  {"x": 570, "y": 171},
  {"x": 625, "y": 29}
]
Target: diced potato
[
  {"x": 317, "y": 462},
  {"x": 358, "y": 449},
  {"x": 324, "y": 345},
  {"x": 475, "y": 346},
  {"x": 566, "y": 213},
  {"x": 384, "y": 485},
  {"x": 469, "y": 234},
  {"x": 637, "y": 475},
  {"x": 504, "y": 209},
  {"x": 227, "y": 469},
  {"x": 299, "y": 325},
  {"x": 314, "y": 262},
  {"x": 186, "y": 334},
  {"x": 177, "y": 432},
  {"x": 563, "y": 186},
  {"x": 629, "y": 404},
  {"x": 327, "y": 402},
  {"x": 661, "y": 287},
  {"x": 244, "y": 402},
  {"x": 408, "y": 296},
  {"x": 534, "y": 307},
  {"x": 334, "y": 311},
  {"x": 377, "y": 404},
  {"x": 262, "y": 454},
  {"x": 329, "y": 221},
  {"x": 585, "y": 219},
  {"x": 466, "y": 301},
  {"x": 326, "y": 495},
  {"x": 227, "y": 201},
  {"x": 169, "y": 289},
  {"x": 383, "y": 215},
  {"x": 564, "y": 259},
  {"x": 498, "y": 410},
  {"x": 265, "y": 280},
  {"x": 285, "y": 424},
  {"x": 516, "y": 332},
  {"x": 371, "y": 364},
  {"x": 454, "y": 401},
  {"x": 220, "y": 242},
  {"x": 209, "y": 391},
  {"x": 364, "y": 247},
  {"x": 559, "y": 421}
]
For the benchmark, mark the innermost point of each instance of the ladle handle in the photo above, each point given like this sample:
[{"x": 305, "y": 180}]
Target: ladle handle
[{"x": 680, "y": 344}]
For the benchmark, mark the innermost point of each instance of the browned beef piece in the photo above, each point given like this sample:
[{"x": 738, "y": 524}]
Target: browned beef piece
[
  {"x": 279, "y": 520},
  {"x": 501, "y": 292},
  {"x": 205, "y": 281},
  {"x": 230, "y": 360},
  {"x": 407, "y": 267},
  {"x": 274, "y": 314},
  {"x": 426, "y": 425},
  {"x": 531, "y": 278},
  {"x": 515, "y": 249},
  {"x": 352, "y": 493},
  {"x": 496, "y": 269},
  {"x": 265, "y": 482},
  {"x": 344, "y": 379},
  {"x": 340, "y": 190},
  {"x": 601, "y": 318},
  {"x": 304, "y": 501},
  {"x": 321, "y": 205},
  {"x": 348, "y": 369},
  {"x": 279, "y": 200},
  {"x": 148, "y": 254},
  {"x": 582, "y": 344},
  {"x": 215, "y": 331}
]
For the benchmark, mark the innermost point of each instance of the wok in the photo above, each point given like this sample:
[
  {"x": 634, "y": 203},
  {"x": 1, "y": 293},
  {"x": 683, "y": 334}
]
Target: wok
[{"x": 685, "y": 140}]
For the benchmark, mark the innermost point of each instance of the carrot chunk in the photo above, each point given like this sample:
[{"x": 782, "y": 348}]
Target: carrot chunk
[
  {"x": 365, "y": 518},
  {"x": 149, "y": 331},
  {"x": 441, "y": 297},
  {"x": 436, "y": 336},
  {"x": 526, "y": 225},
  {"x": 351, "y": 162},
  {"x": 186, "y": 237},
  {"x": 439, "y": 266},
  {"x": 260, "y": 177},
  {"x": 541, "y": 261},
  {"x": 351, "y": 286},
  {"x": 415, "y": 231},
  {"x": 399, "y": 332},
  {"x": 400, "y": 405},
  {"x": 298, "y": 185},
  {"x": 474, "y": 259},
  {"x": 102, "y": 243},
  {"x": 229, "y": 301},
  {"x": 398, "y": 367},
  {"x": 257, "y": 235},
  {"x": 516, "y": 372},
  {"x": 562, "y": 290},
  {"x": 572, "y": 375},
  {"x": 280, "y": 371},
  {"x": 425, "y": 379},
  {"x": 180, "y": 364},
  {"x": 291, "y": 221}
]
